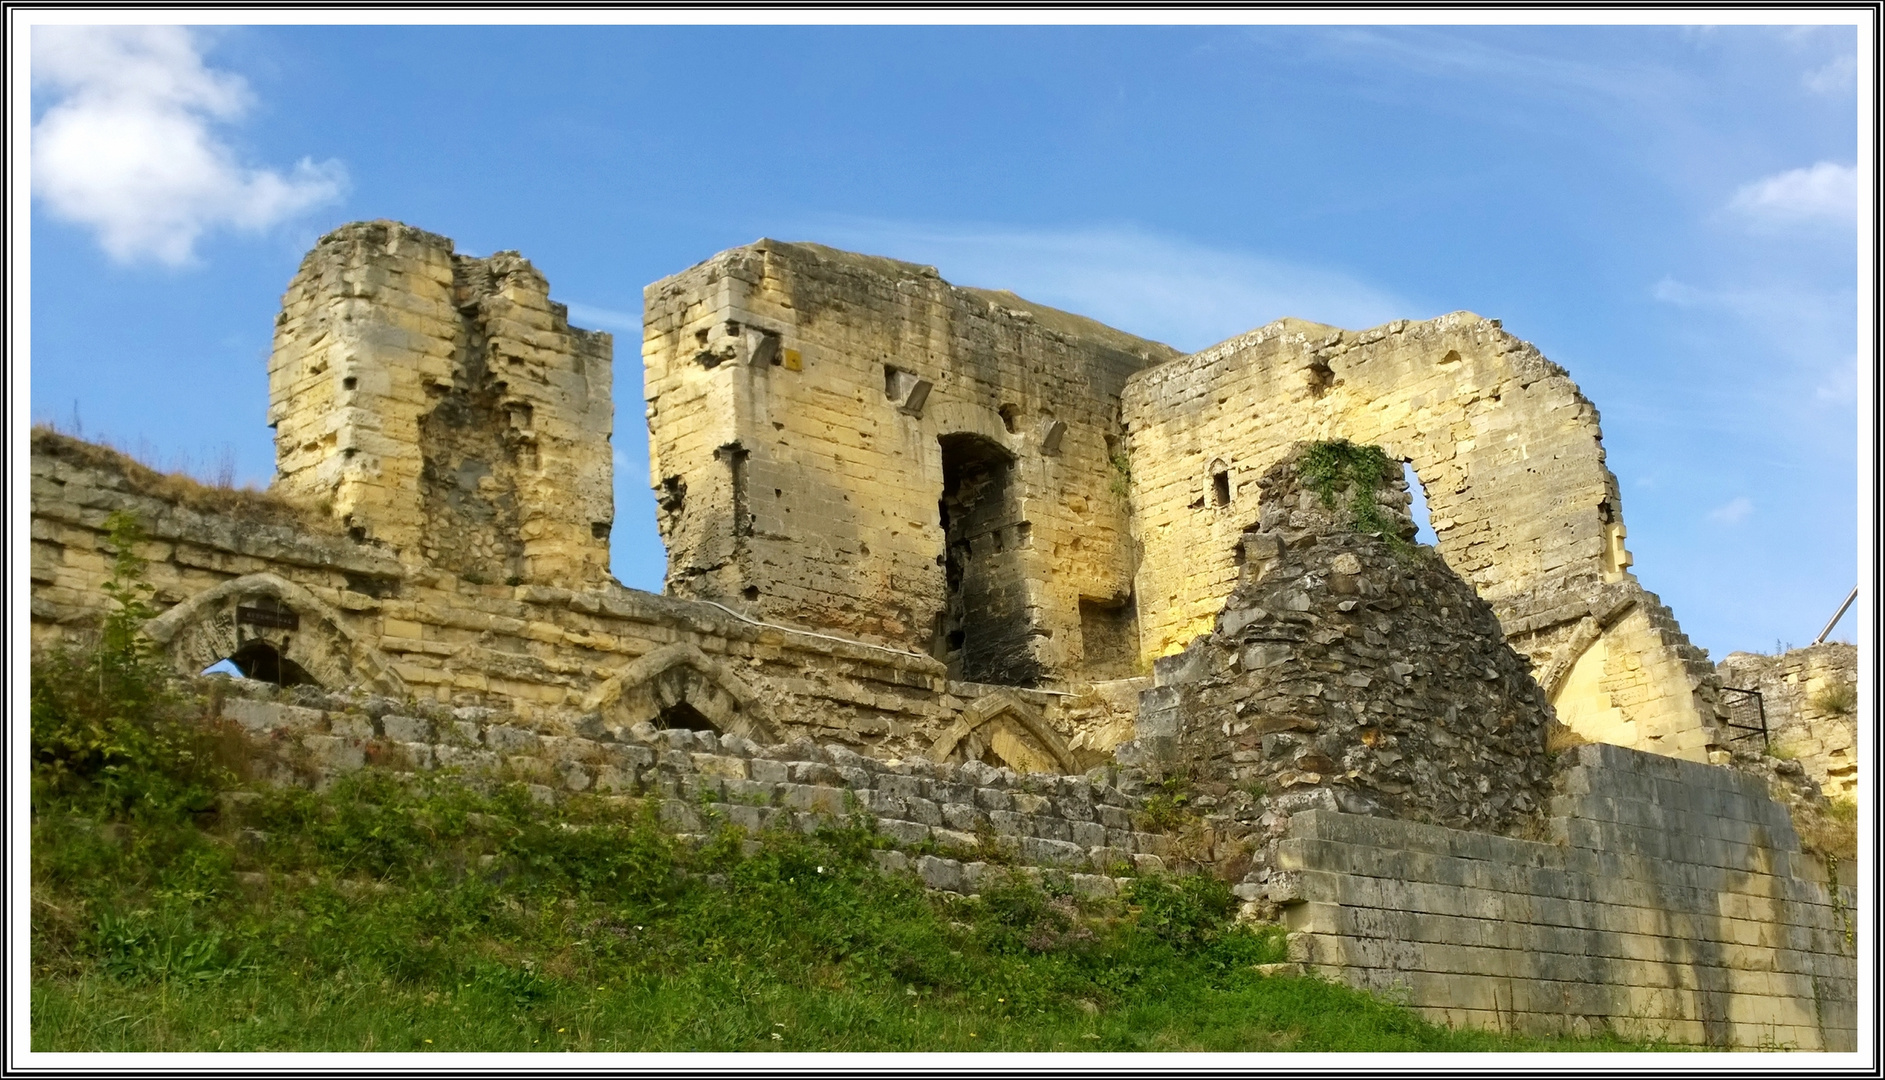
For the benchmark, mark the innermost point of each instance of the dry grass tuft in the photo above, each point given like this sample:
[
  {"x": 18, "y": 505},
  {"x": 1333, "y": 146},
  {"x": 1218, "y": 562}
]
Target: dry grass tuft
[{"x": 220, "y": 497}]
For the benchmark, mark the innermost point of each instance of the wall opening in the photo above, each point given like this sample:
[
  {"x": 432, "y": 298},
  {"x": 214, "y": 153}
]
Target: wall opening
[
  {"x": 987, "y": 634},
  {"x": 262, "y": 662},
  {"x": 1417, "y": 506},
  {"x": 1109, "y": 636},
  {"x": 1220, "y": 486},
  {"x": 684, "y": 717}
]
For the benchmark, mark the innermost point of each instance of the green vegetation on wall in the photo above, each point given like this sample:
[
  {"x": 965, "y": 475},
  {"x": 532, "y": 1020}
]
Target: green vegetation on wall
[{"x": 1329, "y": 468}]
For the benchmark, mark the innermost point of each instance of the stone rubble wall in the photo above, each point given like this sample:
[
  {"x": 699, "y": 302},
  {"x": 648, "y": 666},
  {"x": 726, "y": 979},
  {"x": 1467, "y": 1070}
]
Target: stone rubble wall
[
  {"x": 953, "y": 825},
  {"x": 1511, "y": 457},
  {"x": 798, "y": 466},
  {"x": 1672, "y": 902},
  {"x": 1801, "y": 691},
  {"x": 1345, "y": 662}
]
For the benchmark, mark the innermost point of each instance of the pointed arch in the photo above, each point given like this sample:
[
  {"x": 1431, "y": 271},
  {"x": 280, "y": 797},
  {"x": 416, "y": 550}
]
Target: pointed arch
[
  {"x": 679, "y": 681},
  {"x": 205, "y": 629},
  {"x": 1005, "y": 725}
]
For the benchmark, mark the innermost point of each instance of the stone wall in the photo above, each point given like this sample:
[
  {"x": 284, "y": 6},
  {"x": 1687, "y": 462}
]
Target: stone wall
[
  {"x": 1353, "y": 662},
  {"x": 953, "y": 824},
  {"x": 1674, "y": 903},
  {"x": 809, "y": 409},
  {"x": 1811, "y": 697},
  {"x": 443, "y": 408},
  {"x": 363, "y": 618},
  {"x": 1510, "y": 455}
]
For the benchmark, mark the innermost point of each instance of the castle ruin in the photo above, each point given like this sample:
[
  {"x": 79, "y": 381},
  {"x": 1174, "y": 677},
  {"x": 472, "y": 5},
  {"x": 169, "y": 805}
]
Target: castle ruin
[{"x": 932, "y": 523}]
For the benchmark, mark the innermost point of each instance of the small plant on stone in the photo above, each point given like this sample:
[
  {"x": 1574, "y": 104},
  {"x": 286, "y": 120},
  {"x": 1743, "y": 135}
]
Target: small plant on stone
[
  {"x": 1836, "y": 700},
  {"x": 1121, "y": 484},
  {"x": 1168, "y": 807}
]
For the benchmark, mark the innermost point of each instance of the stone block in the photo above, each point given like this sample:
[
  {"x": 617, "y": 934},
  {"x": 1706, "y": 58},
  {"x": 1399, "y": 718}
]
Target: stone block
[
  {"x": 908, "y": 833},
  {"x": 406, "y": 728},
  {"x": 1045, "y": 852},
  {"x": 944, "y": 874}
]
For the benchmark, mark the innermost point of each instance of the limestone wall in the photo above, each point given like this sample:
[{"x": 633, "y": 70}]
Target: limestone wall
[
  {"x": 809, "y": 409},
  {"x": 1674, "y": 903},
  {"x": 363, "y": 618},
  {"x": 443, "y": 407},
  {"x": 1812, "y": 703},
  {"x": 1512, "y": 460}
]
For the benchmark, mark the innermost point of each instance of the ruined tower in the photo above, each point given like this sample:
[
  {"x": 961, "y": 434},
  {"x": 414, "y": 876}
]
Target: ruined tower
[
  {"x": 852, "y": 443},
  {"x": 442, "y": 406}
]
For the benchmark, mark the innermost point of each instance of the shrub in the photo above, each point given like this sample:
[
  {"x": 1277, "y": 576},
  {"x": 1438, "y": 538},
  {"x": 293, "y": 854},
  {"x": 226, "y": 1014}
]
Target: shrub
[{"x": 110, "y": 734}]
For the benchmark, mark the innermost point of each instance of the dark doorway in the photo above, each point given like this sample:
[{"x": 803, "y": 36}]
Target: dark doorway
[
  {"x": 987, "y": 635},
  {"x": 261, "y": 661}
]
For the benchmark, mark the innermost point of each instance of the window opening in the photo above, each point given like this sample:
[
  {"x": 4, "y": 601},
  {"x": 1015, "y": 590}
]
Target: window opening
[{"x": 1417, "y": 506}]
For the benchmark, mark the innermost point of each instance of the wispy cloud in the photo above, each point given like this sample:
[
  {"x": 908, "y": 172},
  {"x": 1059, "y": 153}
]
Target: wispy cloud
[
  {"x": 1838, "y": 76},
  {"x": 1467, "y": 54},
  {"x": 1823, "y": 192},
  {"x": 130, "y": 148},
  {"x": 1732, "y": 512},
  {"x": 601, "y": 318},
  {"x": 1160, "y": 287}
]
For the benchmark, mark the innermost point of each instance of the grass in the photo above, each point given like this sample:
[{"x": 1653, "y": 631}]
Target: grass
[
  {"x": 219, "y": 495},
  {"x": 385, "y": 915}
]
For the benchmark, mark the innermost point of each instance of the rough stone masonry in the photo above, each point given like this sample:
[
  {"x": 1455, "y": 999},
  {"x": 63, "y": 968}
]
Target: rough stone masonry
[{"x": 919, "y": 523}]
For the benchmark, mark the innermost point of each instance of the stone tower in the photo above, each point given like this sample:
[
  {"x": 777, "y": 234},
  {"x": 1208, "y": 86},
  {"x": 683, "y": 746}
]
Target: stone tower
[
  {"x": 851, "y": 443},
  {"x": 441, "y": 405}
]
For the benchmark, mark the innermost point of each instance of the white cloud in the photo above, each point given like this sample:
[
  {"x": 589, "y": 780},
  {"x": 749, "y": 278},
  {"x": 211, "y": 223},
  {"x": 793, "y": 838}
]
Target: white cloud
[
  {"x": 599, "y": 318},
  {"x": 1732, "y": 512},
  {"x": 1171, "y": 290},
  {"x": 1839, "y": 76},
  {"x": 129, "y": 147},
  {"x": 1826, "y": 191}
]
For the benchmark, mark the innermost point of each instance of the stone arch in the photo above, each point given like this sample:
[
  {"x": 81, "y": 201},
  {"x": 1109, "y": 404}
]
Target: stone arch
[
  {"x": 207, "y": 628},
  {"x": 1012, "y": 730},
  {"x": 681, "y": 681}
]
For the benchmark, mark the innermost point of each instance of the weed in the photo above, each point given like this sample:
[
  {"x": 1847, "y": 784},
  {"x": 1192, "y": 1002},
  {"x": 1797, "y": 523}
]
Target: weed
[
  {"x": 1330, "y": 468},
  {"x": 1838, "y": 700}
]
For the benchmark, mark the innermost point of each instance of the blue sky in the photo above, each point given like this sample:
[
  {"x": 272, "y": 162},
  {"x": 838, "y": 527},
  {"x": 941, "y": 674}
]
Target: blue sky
[{"x": 1668, "y": 212}]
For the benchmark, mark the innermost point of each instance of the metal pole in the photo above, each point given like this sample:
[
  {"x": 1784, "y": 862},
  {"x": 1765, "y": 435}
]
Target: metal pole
[{"x": 1837, "y": 615}]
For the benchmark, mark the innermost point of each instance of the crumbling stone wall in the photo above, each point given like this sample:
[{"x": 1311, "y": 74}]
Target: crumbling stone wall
[
  {"x": 1512, "y": 460},
  {"x": 443, "y": 407},
  {"x": 1812, "y": 704},
  {"x": 1352, "y": 662},
  {"x": 363, "y": 618},
  {"x": 809, "y": 409}
]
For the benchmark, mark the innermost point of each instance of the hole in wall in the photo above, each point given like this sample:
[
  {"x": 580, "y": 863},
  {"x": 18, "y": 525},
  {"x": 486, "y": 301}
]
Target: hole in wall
[
  {"x": 349, "y": 383},
  {"x": 751, "y": 592},
  {"x": 1321, "y": 376},
  {"x": 1009, "y": 413},
  {"x": 684, "y": 717},
  {"x": 1220, "y": 487},
  {"x": 261, "y": 661},
  {"x": 1417, "y": 506}
]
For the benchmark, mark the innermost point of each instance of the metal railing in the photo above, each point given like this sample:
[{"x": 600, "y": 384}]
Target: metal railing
[{"x": 1747, "y": 714}]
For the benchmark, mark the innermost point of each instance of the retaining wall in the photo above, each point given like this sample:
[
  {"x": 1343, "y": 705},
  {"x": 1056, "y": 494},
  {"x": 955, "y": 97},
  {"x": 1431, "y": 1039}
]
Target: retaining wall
[{"x": 1674, "y": 902}]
